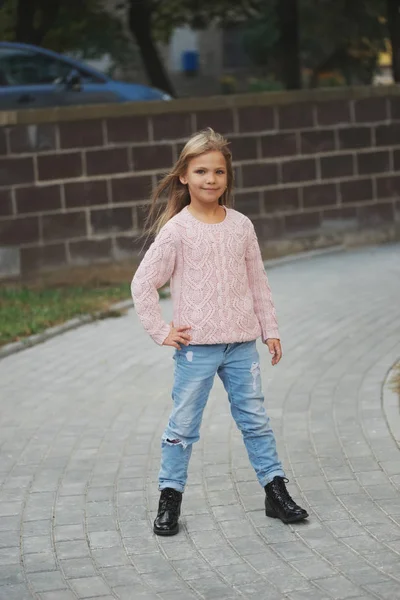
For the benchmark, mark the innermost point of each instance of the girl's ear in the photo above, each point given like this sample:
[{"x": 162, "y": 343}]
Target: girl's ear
[{"x": 183, "y": 179}]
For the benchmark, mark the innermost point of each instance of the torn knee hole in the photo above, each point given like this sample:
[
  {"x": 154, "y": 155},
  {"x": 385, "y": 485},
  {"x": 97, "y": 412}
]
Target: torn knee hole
[{"x": 174, "y": 441}]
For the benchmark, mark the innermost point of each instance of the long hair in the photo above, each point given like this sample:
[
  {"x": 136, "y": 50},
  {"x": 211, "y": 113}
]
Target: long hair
[{"x": 177, "y": 193}]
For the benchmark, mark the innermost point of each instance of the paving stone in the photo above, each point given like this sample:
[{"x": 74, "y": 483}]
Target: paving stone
[
  {"x": 388, "y": 590},
  {"x": 286, "y": 579},
  {"x": 199, "y": 523},
  {"x": 72, "y": 549},
  {"x": 150, "y": 563},
  {"x": 239, "y": 574},
  {"x": 221, "y": 556},
  {"x": 15, "y": 592},
  {"x": 177, "y": 595},
  {"x": 308, "y": 595},
  {"x": 104, "y": 539},
  {"x": 11, "y": 574},
  {"x": 237, "y": 529},
  {"x": 313, "y": 567},
  {"x": 9, "y": 556},
  {"x": 59, "y": 595},
  {"x": 121, "y": 575},
  {"x": 81, "y": 428},
  {"x": 47, "y": 581},
  {"x": 260, "y": 590},
  {"x": 338, "y": 587},
  {"x": 89, "y": 587},
  {"x": 110, "y": 557},
  {"x": 362, "y": 573},
  {"x": 134, "y": 592},
  {"x": 213, "y": 588},
  {"x": 293, "y": 550},
  {"x": 40, "y": 561},
  {"x": 77, "y": 567},
  {"x": 169, "y": 581}
]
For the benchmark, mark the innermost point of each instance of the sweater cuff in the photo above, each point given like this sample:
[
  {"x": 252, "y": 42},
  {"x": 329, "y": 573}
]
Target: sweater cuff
[
  {"x": 271, "y": 333},
  {"x": 161, "y": 335}
]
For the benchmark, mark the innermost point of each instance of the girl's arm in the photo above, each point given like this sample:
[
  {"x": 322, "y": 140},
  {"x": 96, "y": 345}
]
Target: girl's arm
[
  {"x": 258, "y": 281},
  {"x": 153, "y": 272}
]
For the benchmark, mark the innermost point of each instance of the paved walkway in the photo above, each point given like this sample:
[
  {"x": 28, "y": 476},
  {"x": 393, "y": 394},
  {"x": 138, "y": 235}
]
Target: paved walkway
[{"x": 80, "y": 423}]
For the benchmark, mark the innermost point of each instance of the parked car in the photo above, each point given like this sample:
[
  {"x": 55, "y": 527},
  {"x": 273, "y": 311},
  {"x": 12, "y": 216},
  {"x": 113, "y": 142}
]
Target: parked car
[{"x": 32, "y": 77}]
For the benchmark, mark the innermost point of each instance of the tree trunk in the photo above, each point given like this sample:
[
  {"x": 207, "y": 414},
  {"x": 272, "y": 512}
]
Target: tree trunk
[
  {"x": 289, "y": 45},
  {"x": 140, "y": 25},
  {"x": 24, "y": 29},
  {"x": 393, "y": 16}
]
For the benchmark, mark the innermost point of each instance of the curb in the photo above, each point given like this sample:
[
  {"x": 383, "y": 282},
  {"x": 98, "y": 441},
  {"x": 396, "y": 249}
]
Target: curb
[
  {"x": 51, "y": 332},
  {"x": 391, "y": 406}
]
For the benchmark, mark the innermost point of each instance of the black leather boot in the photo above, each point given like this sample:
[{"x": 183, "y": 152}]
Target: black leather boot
[
  {"x": 169, "y": 509},
  {"x": 279, "y": 504}
]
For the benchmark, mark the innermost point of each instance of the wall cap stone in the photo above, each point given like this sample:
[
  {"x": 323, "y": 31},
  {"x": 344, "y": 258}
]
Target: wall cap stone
[{"x": 156, "y": 107}]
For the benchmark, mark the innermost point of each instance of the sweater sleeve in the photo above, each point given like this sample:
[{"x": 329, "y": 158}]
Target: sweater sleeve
[
  {"x": 261, "y": 292},
  {"x": 153, "y": 272}
]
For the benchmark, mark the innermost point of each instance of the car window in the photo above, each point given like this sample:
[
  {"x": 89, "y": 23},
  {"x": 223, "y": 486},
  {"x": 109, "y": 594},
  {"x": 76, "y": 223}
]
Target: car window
[{"x": 23, "y": 67}]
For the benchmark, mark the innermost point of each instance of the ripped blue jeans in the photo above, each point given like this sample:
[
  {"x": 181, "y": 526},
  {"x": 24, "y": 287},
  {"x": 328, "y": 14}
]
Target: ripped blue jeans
[{"x": 238, "y": 367}]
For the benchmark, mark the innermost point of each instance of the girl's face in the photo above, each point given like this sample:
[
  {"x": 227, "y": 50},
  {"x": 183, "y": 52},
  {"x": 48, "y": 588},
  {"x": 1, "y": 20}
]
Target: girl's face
[{"x": 206, "y": 177}]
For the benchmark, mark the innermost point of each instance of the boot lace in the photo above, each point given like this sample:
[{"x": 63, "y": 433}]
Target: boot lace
[
  {"x": 169, "y": 500},
  {"x": 281, "y": 491}
]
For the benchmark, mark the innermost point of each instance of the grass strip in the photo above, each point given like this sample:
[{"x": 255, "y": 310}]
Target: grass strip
[{"x": 25, "y": 311}]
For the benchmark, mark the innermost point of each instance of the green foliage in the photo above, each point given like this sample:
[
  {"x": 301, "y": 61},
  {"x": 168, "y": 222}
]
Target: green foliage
[
  {"x": 7, "y": 17},
  {"x": 264, "y": 84},
  {"x": 342, "y": 35},
  {"x": 168, "y": 14},
  {"x": 82, "y": 26},
  {"x": 261, "y": 35},
  {"x": 25, "y": 311},
  {"x": 338, "y": 38}
]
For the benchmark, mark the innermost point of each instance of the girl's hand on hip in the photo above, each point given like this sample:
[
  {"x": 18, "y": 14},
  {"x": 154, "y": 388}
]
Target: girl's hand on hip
[
  {"x": 275, "y": 348},
  {"x": 177, "y": 336}
]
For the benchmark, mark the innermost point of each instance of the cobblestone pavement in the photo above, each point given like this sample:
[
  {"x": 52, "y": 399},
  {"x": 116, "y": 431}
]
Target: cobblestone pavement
[{"x": 81, "y": 418}]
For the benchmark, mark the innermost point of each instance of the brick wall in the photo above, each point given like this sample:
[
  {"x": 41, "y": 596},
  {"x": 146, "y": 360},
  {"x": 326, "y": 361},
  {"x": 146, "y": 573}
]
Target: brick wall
[{"x": 74, "y": 182}]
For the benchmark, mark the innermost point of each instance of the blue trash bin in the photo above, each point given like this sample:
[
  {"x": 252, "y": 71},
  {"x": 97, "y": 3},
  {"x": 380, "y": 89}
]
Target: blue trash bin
[{"x": 190, "y": 62}]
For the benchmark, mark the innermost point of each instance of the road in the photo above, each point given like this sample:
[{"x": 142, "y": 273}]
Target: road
[{"x": 81, "y": 418}]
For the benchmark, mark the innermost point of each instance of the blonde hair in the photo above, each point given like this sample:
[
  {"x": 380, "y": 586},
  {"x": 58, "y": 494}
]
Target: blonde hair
[{"x": 178, "y": 194}]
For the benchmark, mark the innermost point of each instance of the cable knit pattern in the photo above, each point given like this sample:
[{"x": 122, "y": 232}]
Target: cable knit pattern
[{"x": 218, "y": 282}]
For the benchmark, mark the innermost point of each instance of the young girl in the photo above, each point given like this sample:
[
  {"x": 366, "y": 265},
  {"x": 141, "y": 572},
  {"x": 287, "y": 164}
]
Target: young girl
[{"x": 221, "y": 304}]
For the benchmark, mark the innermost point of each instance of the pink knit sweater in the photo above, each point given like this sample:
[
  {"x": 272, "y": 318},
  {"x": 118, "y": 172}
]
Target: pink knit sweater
[{"x": 218, "y": 283}]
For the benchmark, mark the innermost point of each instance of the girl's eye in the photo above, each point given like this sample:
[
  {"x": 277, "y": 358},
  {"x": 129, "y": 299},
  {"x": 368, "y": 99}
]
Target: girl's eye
[
  {"x": 220, "y": 172},
  {"x": 200, "y": 171}
]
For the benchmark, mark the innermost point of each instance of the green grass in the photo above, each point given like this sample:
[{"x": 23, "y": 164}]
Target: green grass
[{"x": 26, "y": 311}]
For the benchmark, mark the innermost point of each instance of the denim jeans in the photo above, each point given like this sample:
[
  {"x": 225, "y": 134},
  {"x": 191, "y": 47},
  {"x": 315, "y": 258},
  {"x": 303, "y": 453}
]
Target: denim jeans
[{"x": 238, "y": 367}]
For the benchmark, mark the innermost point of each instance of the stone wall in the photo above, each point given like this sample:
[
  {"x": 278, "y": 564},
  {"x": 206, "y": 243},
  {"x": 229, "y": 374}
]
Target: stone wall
[{"x": 74, "y": 182}]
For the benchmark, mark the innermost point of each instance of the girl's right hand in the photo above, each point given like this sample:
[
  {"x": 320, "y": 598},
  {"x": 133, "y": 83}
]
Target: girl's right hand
[{"x": 177, "y": 336}]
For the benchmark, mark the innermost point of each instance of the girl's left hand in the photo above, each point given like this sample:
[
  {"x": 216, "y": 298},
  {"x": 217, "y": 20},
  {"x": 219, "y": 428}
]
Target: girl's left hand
[{"x": 275, "y": 348}]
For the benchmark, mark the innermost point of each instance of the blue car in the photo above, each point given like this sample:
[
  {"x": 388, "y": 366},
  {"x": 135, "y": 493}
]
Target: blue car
[{"x": 32, "y": 77}]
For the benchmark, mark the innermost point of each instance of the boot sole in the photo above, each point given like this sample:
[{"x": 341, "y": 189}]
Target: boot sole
[
  {"x": 166, "y": 532},
  {"x": 294, "y": 519}
]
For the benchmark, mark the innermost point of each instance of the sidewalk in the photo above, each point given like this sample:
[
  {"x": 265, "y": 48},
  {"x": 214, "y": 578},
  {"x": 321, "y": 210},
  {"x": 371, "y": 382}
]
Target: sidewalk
[{"x": 81, "y": 417}]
